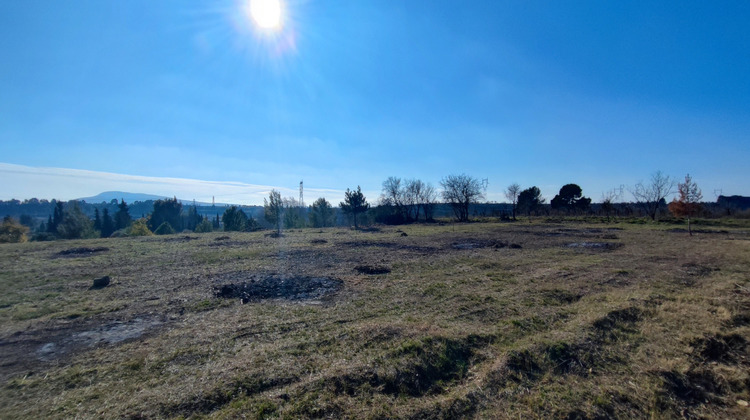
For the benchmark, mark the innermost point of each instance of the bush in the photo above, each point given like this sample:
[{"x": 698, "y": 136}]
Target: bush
[
  {"x": 44, "y": 236},
  {"x": 204, "y": 227},
  {"x": 139, "y": 228},
  {"x": 164, "y": 229},
  {"x": 12, "y": 232}
]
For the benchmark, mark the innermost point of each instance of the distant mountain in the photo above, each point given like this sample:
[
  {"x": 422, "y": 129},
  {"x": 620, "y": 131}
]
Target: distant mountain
[{"x": 127, "y": 196}]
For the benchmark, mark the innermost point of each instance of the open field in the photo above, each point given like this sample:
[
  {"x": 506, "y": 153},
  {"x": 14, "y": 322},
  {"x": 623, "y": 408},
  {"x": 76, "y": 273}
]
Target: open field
[{"x": 486, "y": 320}]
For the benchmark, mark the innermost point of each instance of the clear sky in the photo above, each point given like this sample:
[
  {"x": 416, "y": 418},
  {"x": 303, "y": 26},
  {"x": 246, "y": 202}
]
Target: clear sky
[{"x": 348, "y": 93}]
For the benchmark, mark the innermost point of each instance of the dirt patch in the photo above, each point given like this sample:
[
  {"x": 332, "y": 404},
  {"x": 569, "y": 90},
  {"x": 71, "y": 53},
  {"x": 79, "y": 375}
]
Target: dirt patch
[
  {"x": 222, "y": 238},
  {"x": 682, "y": 230},
  {"x": 318, "y": 241},
  {"x": 280, "y": 287},
  {"x": 372, "y": 269},
  {"x": 603, "y": 246},
  {"x": 697, "y": 270},
  {"x": 389, "y": 245},
  {"x": 185, "y": 238},
  {"x": 478, "y": 243},
  {"x": 25, "y": 350},
  {"x": 81, "y": 252}
]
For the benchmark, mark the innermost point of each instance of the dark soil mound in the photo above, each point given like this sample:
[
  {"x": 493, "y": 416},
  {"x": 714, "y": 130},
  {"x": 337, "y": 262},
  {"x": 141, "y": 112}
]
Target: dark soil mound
[
  {"x": 604, "y": 246},
  {"x": 184, "y": 238},
  {"x": 372, "y": 269},
  {"x": 474, "y": 244},
  {"x": 291, "y": 288},
  {"x": 100, "y": 283},
  {"x": 82, "y": 252}
]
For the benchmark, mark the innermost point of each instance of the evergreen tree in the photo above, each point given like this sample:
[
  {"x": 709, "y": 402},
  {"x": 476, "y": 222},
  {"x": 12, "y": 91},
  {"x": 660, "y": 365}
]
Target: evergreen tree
[
  {"x": 98, "y": 220},
  {"x": 321, "y": 213},
  {"x": 354, "y": 203},
  {"x": 166, "y": 211},
  {"x": 193, "y": 218},
  {"x": 75, "y": 224},
  {"x": 122, "y": 217},
  {"x": 57, "y": 215},
  {"x": 273, "y": 209},
  {"x": 234, "y": 219},
  {"x": 217, "y": 223},
  {"x": 529, "y": 200},
  {"x": 108, "y": 225},
  {"x": 570, "y": 198}
]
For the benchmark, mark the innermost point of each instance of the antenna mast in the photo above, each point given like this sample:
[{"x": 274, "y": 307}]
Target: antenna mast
[{"x": 301, "y": 201}]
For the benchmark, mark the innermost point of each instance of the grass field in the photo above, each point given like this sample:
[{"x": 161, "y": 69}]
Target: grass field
[{"x": 488, "y": 320}]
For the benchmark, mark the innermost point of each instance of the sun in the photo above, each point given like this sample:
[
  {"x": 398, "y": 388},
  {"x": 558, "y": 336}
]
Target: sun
[{"x": 266, "y": 13}]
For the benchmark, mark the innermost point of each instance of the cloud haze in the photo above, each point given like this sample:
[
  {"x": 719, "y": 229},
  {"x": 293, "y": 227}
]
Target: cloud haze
[{"x": 65, "y": 184}]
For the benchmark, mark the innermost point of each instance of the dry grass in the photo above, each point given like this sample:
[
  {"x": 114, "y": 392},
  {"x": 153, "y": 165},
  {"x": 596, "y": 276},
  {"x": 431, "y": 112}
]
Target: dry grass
[{"x": 479, "y": 320}]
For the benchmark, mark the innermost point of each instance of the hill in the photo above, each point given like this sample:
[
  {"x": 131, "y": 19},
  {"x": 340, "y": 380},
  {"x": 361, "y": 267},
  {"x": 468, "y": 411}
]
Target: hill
[{"x": 129, "y": 197}]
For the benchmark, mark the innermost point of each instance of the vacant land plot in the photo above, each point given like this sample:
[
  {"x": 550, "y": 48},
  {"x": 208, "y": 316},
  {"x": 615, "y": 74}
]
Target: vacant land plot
[{"x": 478, "y": 320}]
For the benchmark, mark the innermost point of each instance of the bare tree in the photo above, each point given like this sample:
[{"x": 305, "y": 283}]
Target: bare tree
[
  {"x": 688, "y": 204},
  {"x": 460, "y": 191},
  {"x": 427, "y": 198},
  {"x": 608, "y": 202},
  {"x": 409, "y": 197},
  {"x": 650, "y": 196},
  {"x": 511, "y": 193}
]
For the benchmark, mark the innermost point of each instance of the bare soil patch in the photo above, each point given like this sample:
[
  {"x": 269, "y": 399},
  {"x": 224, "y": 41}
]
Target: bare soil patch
[
  {"x": 601, "y": 246},
  {"x": 372, "y": 269},
  {"x": 279, "y": 287},
  {"x": 60, "y": 340},
  {"x": 81, "y": 252},
  {"x": 484, "y": 243}
]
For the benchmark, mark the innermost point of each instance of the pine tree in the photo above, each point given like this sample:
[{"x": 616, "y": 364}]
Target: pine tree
[
  {"x": 97, "y": 220},
  {"x": 108, "y": 225},
  {"x": 273, "y": 209},
  {"x": 122, "y": 217},
  {"x": 354, "y": 203}
]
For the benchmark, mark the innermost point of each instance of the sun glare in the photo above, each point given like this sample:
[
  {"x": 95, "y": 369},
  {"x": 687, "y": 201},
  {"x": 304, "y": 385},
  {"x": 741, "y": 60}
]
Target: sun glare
[{"x": 266, "y": 13}]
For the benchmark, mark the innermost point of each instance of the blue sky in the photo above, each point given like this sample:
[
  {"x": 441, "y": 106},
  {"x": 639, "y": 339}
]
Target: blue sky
[{"x": 348, "y": 93}]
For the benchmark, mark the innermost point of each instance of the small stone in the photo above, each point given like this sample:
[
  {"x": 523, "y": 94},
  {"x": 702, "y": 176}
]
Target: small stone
[{"x": 742, "y": 403}]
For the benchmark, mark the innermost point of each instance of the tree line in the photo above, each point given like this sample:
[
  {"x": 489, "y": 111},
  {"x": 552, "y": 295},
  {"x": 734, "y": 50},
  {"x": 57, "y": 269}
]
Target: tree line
[{"x": 401, "y": 201}]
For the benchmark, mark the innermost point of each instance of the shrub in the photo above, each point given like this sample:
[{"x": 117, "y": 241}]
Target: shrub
[
  {"x": 204, "y": 226},
  {"x": 164, "y": 229},
  {"x": 139, "y": 228},
  {"x": 12, "y": 232}
]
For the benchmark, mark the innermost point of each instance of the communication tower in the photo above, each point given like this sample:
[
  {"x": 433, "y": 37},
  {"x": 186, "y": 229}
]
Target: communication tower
[{"x": 301, "y": 201}]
